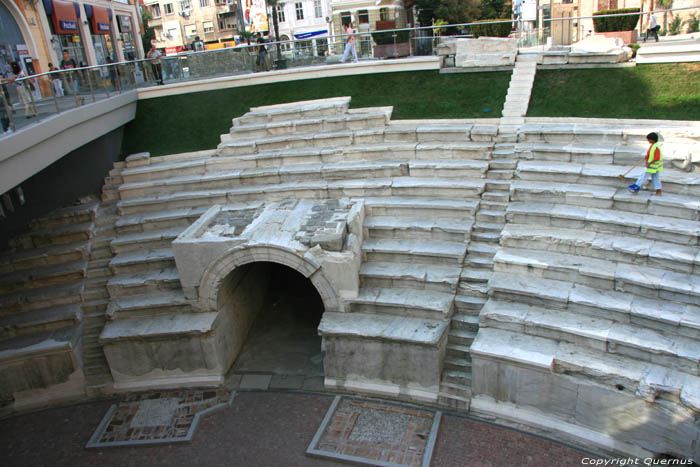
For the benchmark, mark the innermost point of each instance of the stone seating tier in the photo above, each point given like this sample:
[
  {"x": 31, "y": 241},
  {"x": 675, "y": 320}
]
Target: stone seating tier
[
  {"x": 613, "y": 221},
  {"x": 398, "y": 186}
]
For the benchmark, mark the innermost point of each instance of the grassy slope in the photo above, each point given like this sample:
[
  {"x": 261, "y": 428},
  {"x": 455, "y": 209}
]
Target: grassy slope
[
  {"x": 660, "y": 91},
  {"x": 191, "y": 122}
]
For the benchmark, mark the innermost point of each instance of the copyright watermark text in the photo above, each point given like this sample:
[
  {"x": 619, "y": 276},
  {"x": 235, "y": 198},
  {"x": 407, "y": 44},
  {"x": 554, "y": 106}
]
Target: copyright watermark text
[{"x": 633, "y": 461}]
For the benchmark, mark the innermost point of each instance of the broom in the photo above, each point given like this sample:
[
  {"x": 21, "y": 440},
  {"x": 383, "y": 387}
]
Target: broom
[{"x": 622, "y": 176}]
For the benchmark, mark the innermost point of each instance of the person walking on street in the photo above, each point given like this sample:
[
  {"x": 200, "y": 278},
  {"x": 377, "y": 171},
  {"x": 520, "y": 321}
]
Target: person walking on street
[
  {"x": 56, "y": 82},
  {"x": 652, "y": 28},
  {"x": 22, "y": 89},
  {"x": 68, "y": 63},
  {"x": 154, "y": 56},
  {"x": 654, "y": 165},
  {"x": 349, "y": 45},
  {"x": 262, "y": 54}
]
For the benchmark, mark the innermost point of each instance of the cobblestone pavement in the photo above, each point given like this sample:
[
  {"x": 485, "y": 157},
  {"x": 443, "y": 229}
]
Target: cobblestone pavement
[{"x": 260, "y": 428}]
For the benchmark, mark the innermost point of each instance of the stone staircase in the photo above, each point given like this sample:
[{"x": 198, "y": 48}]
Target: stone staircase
[
  {"x": 519, "y": 91},
  {"x": 42, "y": 285},
  {"x": 595, "y": 286},
  {"x": 96, "y": 298}
]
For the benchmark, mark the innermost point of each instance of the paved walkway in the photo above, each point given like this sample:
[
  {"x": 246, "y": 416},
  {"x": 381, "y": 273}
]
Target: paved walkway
[{"x": 259, "y": 428}]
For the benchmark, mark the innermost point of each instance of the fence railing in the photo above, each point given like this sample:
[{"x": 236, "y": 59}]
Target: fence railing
[{"x": 39, "y": 96}]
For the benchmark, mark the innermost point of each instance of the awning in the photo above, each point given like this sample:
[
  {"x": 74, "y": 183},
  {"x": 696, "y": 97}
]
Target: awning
[
  {"x": 64, "y": 16},
  {"x": 306, "y": 35},
  {"x": 100, "y": 18}
]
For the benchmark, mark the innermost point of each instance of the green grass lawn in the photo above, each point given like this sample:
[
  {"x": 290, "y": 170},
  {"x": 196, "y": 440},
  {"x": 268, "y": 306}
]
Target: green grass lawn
[
  {"x": 660, "y": 91},
  {"x": 191, "y": 122}
]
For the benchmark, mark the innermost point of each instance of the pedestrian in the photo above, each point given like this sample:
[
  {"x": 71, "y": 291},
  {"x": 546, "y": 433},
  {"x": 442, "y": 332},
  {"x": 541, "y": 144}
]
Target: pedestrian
[
  {"x": 654, "y": 165},
  {"x": 652, "y": 27},
  {"x": 262, "y": 54},
  {"x": 22, "y": 88},
  {"x": 154, "y": 56},
  {"x": 68, "y": 63},
  {"x": 349, "y": 45},
  {"x": 4, "y": 117},
  {"x": 56, "y": 82}
]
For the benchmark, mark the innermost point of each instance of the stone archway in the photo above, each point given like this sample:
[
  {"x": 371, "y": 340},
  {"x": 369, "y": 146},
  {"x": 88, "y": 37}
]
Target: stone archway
[{"x": 236, "y": 285}]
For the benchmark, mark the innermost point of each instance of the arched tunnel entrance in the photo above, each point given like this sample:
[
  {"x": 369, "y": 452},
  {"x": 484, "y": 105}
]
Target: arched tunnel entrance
[{"x": 284, "y": 310}]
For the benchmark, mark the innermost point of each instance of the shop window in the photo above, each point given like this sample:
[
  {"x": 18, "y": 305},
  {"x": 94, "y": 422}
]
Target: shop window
[
  {"x": 318, "y": 9},
  {"x": 300, "y": 10},
  {"x": 168, "y": 8},
  {"x": 383, "y": 14},
  {"x": 208, "y": 26},
  {"x": 363, "y": 16},
  {"x": 345, "y": 18}
]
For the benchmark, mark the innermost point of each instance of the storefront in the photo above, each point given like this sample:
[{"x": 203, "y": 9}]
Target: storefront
[
  {"x": 100, "y": 19},
  {"x": 65, "y": 29},
  {"x": 127, "y": 37}
]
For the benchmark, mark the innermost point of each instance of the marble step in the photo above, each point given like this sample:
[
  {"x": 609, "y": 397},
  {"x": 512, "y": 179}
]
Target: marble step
[
  {"x": 77, "y": 214},
  {"x": 427, "y": 208},
  {"x": 263, "y": 176},
  {"x": 580, "y": 153},
  {"x": 475, "y": 275},
  {"x": 481, "y": 250},
  {"x": 465, "y": 322},
  {"x": 457, "y": 351},
  {"x": 676, "y": 182},
  {"x": 39, "y": 321},
  {"x": 159, "y": 220},
  {"x": 147, "y": 305},
  {"x": 641, "y": 280},
  {"x": 462, "y": 337},
  {"x": 141, "y": 261},
  {"x": 409, "y": 276},
  {"x": 150, "y": 239},
  {"x": 295, "y": 111},
  {"x": 621, "y": 248},
  {"x": 365, "y": 120},
  {"x": 486, "y": 237},
  {"x": 659, "y": 315},
  {"x": 56, "y": 274},
  {"x": 404, "y": 302},
  {"x": 469, "y": 305},
  {"x": 146, "y": 282},
  {"x": 51, "y": 236},
  {"x": 467, "y": 153},
  {"x": 612, "y": 221},
  {"x": 499, "y": 174},
  {"x": 449, "y": 169},
  {"x": 414, "y": 251},
  {"x": 414, "y": 228},
  {"x": 41, "y": 297},
  {"x": 595, "y": 333},
  {"x": 398, "y": 186},
  {"x": 478, "y": 262},
  {"x": 459, "y": 377},
  {"x": 498, "y": 185},
  {"x": 593, "y": 196},
  {"x": 496, "y": 197},
  {"x": 490, "y": 216},
  {"x": 503, "y": 164},
  {"x": 574, "y": 133},
  {"x": 456, "y": 364}
]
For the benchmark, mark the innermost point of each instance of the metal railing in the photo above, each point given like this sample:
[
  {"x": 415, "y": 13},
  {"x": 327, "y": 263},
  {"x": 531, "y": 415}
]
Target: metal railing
[{"x": 53, "y": 92}]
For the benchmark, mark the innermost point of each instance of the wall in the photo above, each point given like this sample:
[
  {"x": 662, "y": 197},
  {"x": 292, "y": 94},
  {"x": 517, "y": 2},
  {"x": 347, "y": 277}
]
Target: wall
[{"x": 81, "y": 172}]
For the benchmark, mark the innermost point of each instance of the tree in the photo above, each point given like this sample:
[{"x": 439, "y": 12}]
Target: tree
[
  {"x": 665, "y": 4},
  {"x": 149, "y": 33},
  {"x": 452, "y": 11},
  {"x": 495, "y": 9},
  {"x": 274, "y": 4}
]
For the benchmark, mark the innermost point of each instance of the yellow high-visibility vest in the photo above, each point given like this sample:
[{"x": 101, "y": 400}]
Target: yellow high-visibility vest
[{"x": 656, "y": 166}]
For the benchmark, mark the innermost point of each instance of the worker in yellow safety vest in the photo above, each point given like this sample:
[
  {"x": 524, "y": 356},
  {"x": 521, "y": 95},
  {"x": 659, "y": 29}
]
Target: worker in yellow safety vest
[{"x": 655, "y": 164}]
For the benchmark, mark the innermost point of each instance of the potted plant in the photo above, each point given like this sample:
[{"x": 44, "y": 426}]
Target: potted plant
[{"x": 617, "y": 26}]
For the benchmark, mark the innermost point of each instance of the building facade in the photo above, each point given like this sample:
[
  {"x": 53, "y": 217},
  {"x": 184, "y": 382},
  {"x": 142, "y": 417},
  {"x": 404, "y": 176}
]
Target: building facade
[{"x": 35, "y": 34}]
